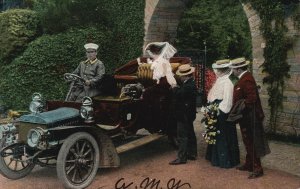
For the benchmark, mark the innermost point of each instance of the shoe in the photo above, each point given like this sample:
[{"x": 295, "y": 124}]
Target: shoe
[
  {"x": 254, "y": 174},
  {"x": 177, "y": 162},
  {"x": 191, "y": 158},
  {"x": 243, "y": 168}
]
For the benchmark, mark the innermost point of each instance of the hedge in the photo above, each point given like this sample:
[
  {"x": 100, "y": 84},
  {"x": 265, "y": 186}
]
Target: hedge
[
  {"x": 55, "y": 54},
  {"x": 42, "y": 65},
  {"x": 17, "y": 28},
  {"x": 125, "y": 18}
]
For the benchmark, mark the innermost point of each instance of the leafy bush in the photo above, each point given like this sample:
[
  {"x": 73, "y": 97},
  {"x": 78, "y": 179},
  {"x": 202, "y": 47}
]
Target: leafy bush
[
  {"x": 222, "y": 24},
  {"x": 17, "y": 28},
  {"x": 125, "y": 18},
  {"x": 42, "y": 65},
  {"x": 59, "y": 15}
]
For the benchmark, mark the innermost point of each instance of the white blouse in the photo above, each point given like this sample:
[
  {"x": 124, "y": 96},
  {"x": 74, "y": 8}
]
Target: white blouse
[
  {"x": 162, "y": 68},
  {"x": 222, "y": 90}
]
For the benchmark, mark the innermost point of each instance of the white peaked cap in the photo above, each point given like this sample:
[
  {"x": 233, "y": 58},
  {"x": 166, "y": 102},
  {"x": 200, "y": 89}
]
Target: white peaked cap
[{"x": 91, "y": 46}]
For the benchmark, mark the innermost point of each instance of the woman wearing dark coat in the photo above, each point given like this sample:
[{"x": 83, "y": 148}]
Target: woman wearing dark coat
[{"x": 225, "y": 152}]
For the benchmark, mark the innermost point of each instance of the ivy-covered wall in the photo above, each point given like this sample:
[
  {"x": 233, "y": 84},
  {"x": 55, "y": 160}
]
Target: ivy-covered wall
[
  {"x": 288, "y": 118},
  {"x": 276, "y": 65}
]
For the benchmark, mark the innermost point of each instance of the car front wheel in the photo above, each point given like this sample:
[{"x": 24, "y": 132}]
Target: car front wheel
[
  {"x": 78, "y": 160},
  {"x": 13, "y": 164}
]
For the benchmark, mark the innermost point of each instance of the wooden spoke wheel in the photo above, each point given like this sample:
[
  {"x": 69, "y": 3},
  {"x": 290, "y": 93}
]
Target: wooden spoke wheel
[
  {"x": 12, "y": 161},
  {"x": 78, "y": 160}
]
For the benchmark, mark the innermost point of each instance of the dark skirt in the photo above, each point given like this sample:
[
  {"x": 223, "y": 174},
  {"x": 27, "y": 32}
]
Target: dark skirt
[{"x": 225, "y": 153}]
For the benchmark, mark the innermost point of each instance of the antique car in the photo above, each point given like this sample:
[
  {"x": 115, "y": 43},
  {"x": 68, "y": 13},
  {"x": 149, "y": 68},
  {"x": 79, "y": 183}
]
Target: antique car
[{"x": 80, "y": 137}]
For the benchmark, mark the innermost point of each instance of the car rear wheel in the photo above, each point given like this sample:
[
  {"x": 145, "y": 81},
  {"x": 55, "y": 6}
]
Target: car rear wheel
[
  {"x": 12, "y": 161},
  {"x": 78, "y": 160}
]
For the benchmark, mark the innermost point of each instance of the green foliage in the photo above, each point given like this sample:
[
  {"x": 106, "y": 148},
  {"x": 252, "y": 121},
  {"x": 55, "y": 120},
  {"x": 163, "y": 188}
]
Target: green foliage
[
  {"x": 59, "y": 15},
  {"x": 42, "y": 65},
  {"x": 222, "y": 24},
  {"x": 272, "y": 14},
  {"x": 125, "y": 18},
  {"x": 17, "y": 28}
]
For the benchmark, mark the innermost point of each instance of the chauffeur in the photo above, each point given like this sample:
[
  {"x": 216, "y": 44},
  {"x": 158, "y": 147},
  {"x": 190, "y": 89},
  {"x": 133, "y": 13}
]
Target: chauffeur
[
  {"x": 185, "y": 108},
  {"x": 91, "y": 70}
]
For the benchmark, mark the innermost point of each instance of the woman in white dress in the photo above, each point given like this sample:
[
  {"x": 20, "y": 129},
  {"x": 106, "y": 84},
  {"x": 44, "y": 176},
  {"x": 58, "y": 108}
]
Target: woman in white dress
[
  {"x": 160, "y": 54},
  {"x": 157, "y": 98},
  {"x": 225, "y": 152}
]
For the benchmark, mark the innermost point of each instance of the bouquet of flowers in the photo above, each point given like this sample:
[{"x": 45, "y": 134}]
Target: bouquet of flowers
[{"x": 210, "y": 113}]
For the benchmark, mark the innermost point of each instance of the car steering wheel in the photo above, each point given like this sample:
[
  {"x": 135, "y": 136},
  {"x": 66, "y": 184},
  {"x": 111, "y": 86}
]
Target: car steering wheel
[{"x": 74, "y": 78}]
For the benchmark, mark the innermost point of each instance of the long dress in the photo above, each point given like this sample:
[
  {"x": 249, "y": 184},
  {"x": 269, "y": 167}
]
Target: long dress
[{"x": 225, "y": 153}]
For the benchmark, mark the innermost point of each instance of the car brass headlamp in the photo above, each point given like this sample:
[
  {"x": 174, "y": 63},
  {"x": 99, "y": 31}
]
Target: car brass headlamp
[
  {"x": 86, "y": 110},
  {"x": 36, "y": 104},
  {"x": 34, "y": 136}
]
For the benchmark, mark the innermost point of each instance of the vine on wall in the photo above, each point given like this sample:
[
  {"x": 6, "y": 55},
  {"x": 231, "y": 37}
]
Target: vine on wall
[{"x": 273, "y": 14}]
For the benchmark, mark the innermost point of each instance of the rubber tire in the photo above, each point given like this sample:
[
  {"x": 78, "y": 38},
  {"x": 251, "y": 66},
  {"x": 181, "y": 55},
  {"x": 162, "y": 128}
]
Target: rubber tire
[
  {"x": 10, "y": 174},
  {"x": 63, "y": 152}
]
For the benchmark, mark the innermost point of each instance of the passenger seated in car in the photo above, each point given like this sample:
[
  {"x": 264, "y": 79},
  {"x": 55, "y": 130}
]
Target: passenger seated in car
[
  {"x": 160, "y": 54},
  {"x": 92, "y": 71}
]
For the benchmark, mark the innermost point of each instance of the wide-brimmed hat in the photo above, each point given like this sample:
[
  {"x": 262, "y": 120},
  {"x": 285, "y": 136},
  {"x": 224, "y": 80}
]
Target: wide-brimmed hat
[
  {"x": 91, "y": 46},
  {"x": 225, "y": 63},
  {"x": 185, "y": 69},
  {"x": 239, "y": 62}
]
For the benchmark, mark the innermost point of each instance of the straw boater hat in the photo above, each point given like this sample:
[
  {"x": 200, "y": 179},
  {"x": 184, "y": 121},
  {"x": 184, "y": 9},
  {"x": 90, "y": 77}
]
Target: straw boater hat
[
  {"x": 185, "y": 69},
  {"x": 239, "y": 62},
  {"x": 221, "y": 64},
  {"x": 91, "y": 46}
]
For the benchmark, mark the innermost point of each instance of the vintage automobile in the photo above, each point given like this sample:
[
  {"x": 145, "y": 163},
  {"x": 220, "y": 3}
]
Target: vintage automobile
[{"x": 80, "y": 137}]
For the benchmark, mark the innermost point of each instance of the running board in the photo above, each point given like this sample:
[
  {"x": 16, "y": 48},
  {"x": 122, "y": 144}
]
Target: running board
[{"x": 139, "y": 142}]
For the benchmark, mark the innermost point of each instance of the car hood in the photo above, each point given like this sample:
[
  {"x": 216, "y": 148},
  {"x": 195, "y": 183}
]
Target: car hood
[{"x": 52, "y": 117}]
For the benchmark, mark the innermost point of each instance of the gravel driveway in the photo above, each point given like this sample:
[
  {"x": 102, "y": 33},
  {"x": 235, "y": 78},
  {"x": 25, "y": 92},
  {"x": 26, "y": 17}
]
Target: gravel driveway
[{"x": 150, "y": 163}]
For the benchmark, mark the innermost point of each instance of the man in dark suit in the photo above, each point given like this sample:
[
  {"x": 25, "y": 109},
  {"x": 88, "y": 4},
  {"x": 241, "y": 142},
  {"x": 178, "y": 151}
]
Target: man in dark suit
[
  {"x": 185, "y": 114},
  {"x": 251, "y": 123}
]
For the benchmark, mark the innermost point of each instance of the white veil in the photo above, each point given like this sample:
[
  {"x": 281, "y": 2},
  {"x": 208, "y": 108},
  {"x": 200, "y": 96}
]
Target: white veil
[
  {"x": 167, "y": 51},
  {"x": 161, "y": 66}
]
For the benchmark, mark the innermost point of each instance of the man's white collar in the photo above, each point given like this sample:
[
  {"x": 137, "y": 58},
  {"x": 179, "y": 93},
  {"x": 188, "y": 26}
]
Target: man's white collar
[{"x": 242, "y": 74}]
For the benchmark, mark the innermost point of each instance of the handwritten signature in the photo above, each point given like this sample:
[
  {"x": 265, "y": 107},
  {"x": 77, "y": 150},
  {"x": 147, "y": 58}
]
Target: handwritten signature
[{"x": 148, "y": 183}]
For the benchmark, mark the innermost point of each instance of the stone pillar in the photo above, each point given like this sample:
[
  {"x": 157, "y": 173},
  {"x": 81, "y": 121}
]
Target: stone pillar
[
  {"x": 258, "y": 45},
  {"x": 161, "y": 19},
  {"x": 288, "y": 119}
]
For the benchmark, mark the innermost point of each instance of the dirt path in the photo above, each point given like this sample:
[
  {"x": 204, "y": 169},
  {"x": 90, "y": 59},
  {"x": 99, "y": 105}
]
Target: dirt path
[{"x": 151, "y": 161}]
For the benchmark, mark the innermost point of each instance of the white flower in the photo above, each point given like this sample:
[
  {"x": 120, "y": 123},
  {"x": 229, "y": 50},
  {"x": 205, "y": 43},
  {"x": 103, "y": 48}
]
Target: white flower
[{"x": 202, "y": 109}]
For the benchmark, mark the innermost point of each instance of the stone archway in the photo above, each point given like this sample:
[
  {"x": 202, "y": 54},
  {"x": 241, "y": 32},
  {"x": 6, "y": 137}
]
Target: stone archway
[
  {"x": 161, "y": 21},
  {"x": 162, "y": 18}
]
